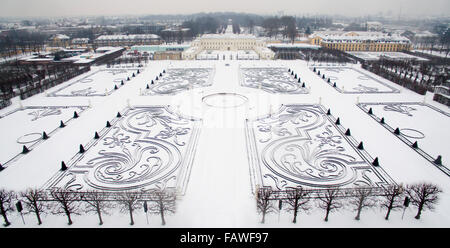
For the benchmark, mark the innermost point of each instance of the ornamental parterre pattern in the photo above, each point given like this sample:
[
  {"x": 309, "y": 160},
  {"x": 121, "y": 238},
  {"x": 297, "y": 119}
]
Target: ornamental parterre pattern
[
  {"x": 407, "y": 134},
  {"x": 301, "y": 145},
  {"x": 359, "y": 82},
  {"x": 36, "y": 117},
  {"x": 272, "y": 80},
  {"x": 176, "y": 80},
  {"x": 87, "y": 86},
  {"x": 147, "y": 147}
]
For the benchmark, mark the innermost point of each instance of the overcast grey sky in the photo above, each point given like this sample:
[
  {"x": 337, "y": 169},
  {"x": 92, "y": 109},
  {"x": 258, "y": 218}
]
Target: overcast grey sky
[{"x": 139, "y": 7}]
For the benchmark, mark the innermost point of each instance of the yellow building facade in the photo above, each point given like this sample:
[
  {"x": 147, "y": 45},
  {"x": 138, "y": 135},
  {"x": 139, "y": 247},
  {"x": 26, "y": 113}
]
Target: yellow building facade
[{"x": 361, "y": 41}]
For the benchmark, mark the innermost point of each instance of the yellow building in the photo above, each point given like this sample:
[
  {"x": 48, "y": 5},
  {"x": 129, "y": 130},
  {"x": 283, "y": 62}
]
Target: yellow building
[
  {"x": 361, "y": 41},
  {"x": 59, "y": 40}
]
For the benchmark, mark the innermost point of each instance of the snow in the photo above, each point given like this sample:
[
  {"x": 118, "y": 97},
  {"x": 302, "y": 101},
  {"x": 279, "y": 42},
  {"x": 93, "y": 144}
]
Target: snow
[
  {"x": 219, "y": 192},
  {"x": 390, "y": 55},
  {"x": 353, "y": 80}
]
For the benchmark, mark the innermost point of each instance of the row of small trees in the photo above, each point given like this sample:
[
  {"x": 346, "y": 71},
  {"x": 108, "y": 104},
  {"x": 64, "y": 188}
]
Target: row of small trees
[
  {"x": 66, "y": 202},
  {"x": 391, "y": 198}
]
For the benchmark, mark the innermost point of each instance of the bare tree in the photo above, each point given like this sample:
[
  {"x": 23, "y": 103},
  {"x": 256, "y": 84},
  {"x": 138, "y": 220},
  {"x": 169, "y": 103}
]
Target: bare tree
[
  {"x": 297, "y": 200},
  {"x": 163, "y": 202},
  {"x": 129, "y": 202},
  {"x": 362, "y": 198},
  {"x": 263, "y": 202},
  {"x": 98, "y": 202},
  {"x": 34, "y": 200},
  {"x": 391, "y": 199},
  {"x": 329, "y": 200},
  {"x": 68, "y": 203},
  {"x": 6, "y": 204},
  {"x": 424, "y": 196}
]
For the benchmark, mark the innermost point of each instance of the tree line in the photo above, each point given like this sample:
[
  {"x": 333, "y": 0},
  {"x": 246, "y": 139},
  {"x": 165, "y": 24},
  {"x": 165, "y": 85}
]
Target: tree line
[
  {"x": 69, "y": 203},
  {"x": 391, "y": 198}
]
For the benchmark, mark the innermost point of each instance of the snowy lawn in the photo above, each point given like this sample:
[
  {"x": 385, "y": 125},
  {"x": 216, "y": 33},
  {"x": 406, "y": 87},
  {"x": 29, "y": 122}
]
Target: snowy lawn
[
  {"x": 417, "y": 122},
  {"x": 29, "y": 124},
  {"x": 102, "y": 82},
  {"x": 349, "y": 80}
]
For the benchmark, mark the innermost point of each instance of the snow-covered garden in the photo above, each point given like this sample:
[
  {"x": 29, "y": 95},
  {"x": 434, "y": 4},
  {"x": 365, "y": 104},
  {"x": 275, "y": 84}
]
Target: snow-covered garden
[{"x": 214, "y": 143}]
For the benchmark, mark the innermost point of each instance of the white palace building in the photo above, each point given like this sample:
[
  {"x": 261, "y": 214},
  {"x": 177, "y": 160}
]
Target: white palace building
[{"x": 229, "y": 45}]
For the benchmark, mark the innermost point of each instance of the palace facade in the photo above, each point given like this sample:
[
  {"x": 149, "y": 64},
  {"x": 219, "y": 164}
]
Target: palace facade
[{"x": 361, "y": 41}]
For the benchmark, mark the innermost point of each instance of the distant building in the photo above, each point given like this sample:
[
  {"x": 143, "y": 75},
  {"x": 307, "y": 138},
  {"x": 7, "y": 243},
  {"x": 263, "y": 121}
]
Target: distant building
[
  {"x": 374, "y": 26},
  {"x": 228, "y": 42},
  {"x": 167, "y": 55},
  {"x": 360, "y": 41},
  {"x": 80, "y": 42},
  {"x": 128, "y": 40},
  {"x": 59, "y": 40}
]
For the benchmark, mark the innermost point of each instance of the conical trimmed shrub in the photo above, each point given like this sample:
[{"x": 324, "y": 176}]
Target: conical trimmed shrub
[
  {"x": 44, "y": 135},
  {"x": 63, "y": 166},
  {"x": 397, "y": 131},
  {"x": 108, "y": 124},
  {"x": 438, "y": 160},
  {"x": 370, "y": 112},
  {"x": 81, "y": 149},
  {"x": 75, "y": 114},
  {"x": 115, "y": 87},
  {"x": 147, "y": 87},
  {"x": 348, "y": 132},
  {"x": 61, "y": 124},
  {"x": 375, "y": 162},
  {"x": 415, "y": 145},
  {"x": 96, "y": 136},
  {"x": 361, "y": 146},
  {"x": 118, "y": 115},
  {"x": 338, "y": 121},
  {"x": 382, "y": 120},
  {"x": 25, "y": 149}
]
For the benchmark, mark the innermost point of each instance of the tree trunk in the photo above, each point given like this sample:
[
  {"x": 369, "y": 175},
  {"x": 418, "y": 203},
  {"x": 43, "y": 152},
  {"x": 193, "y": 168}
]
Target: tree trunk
[
  {"x": 99, "y": 213},
  {"x": 389, "y": 209},
  {"x": 163, "y": 221},
  {"x": 326, "y": 216},
  {"x": 131, "y": 215},
  {"x": 69, "y": 219},
  {"x": 419, "y": 211},
  {"x": 263, "y": 217},
  {"x": 7, "y": 223},
  {"x": 387, "y": 214},
  {"x": 38, "y": 215},
  {"x": 295, "y": 216}
]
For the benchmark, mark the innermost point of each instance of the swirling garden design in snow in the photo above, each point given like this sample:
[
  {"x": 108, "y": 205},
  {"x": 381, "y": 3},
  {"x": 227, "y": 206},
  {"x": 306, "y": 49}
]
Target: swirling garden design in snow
[
  {"x": 145, "y": 148},
  {"x": 301, "y": 145}
]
